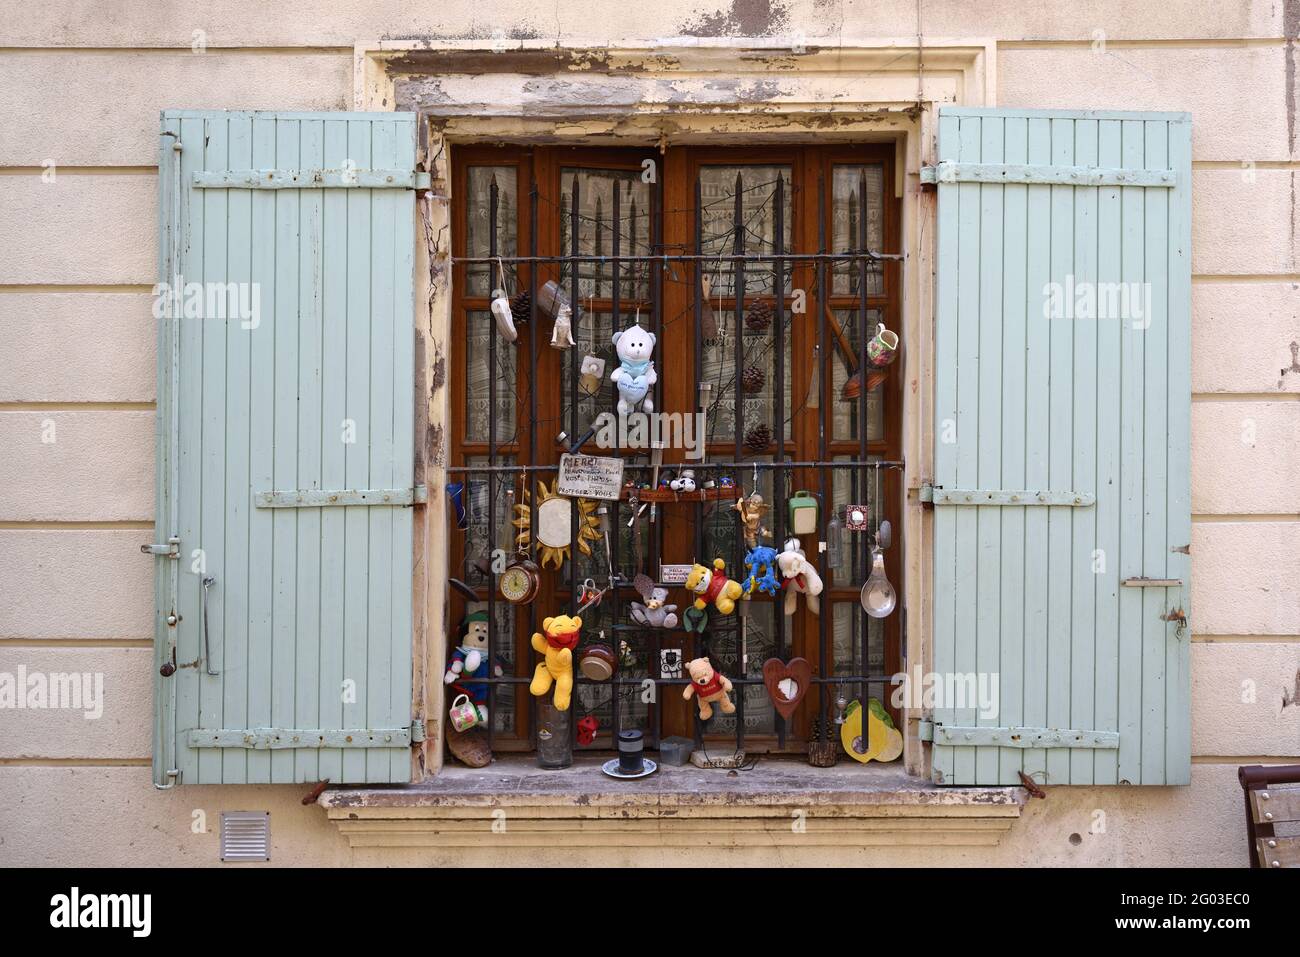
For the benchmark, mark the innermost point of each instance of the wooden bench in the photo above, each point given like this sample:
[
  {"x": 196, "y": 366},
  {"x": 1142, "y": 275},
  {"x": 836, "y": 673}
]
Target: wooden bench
[{"x": 1272, "y": 795}]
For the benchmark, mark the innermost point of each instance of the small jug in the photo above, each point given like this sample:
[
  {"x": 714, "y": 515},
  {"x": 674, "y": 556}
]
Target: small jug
[{"x": 882, "y": 348}]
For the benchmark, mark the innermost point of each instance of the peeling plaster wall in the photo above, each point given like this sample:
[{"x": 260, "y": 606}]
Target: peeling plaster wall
[{"x": 77, "y": 258}]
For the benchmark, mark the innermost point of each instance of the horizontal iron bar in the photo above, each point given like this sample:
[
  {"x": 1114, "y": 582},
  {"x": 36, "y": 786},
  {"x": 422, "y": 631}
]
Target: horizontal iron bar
[
  {"x": 1151, "y": 582},
  {"x": 948, "y": 172},
  {"x": 983, "y": 496},
  {"x": 323, "y": 498},
  {"x": 277, "y": 739},
  {"x": 697, "y": 466},
  {"x": 1025, "y": 738},
  {"x": 311, "y": 179},
  {"x": 683, "y": 258}
]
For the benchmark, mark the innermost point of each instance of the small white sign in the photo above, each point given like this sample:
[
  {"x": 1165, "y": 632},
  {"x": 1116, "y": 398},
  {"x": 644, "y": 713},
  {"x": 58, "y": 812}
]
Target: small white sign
[
  {"x": 673, "y": 574},
  {"x": 590, "y": 476}
]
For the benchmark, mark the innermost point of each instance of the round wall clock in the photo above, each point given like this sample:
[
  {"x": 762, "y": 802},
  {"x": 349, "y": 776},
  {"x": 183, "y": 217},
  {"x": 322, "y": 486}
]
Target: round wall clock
[{"x": 519, "y": 582}]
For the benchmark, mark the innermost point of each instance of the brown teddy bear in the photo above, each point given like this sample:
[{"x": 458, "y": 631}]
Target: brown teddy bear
[{"x": 707, "y": 686}]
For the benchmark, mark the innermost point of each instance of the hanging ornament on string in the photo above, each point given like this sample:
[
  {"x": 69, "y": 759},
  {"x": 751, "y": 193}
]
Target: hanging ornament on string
[
  {"x": 501, "y": 311},
  {"x": 708, "y": 319}
]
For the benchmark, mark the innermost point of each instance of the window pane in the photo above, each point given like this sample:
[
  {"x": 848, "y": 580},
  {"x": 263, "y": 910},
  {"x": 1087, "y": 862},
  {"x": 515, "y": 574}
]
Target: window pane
[
  {"x": 757, "y": 186},
  {"x": 844, "y": 359},
  {"x": 846, "y": 217},
  {"x": 758, "y": 375},
  {"x": 483, "y": 278},
  {"x": 479, "y": 541},
  {"x": 855, "y": 487},
  {"x": 753, "y": 639},
  {"x": 479, "y": 329},
  {"x": 847, "y": 635},
  {"x": 596, "y": 229}
]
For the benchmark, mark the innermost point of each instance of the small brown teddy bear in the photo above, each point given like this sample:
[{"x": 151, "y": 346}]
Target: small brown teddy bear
[{"x": 707, "y": 686}]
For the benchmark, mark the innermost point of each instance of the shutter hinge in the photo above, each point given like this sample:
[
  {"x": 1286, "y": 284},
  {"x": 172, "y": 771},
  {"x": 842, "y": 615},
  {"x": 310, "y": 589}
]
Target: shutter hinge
[
  {"x": 171, "y": 549},
  {"x": 925, "y": 730},
  {"x": 926, "y": 494},
  {"x": 417, "y": 731},
  {"x": 929, "y": 177}
]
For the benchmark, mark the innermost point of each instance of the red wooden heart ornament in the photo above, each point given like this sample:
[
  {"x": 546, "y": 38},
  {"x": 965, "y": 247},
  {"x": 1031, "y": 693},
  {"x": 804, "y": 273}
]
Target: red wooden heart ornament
[{"x": 775, "y": 671}]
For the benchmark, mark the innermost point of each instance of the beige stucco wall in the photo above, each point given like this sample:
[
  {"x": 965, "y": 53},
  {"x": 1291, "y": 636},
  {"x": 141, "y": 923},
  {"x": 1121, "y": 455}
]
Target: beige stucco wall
[{"x": 85, "y": 82}]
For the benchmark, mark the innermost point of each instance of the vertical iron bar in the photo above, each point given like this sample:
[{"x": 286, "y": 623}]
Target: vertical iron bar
[
  {"x": 862, "y": 411},
  {"x": 778, "y": 345},
  {"x": 824, "y": 398},
  {"x": 573, "y": 423},
  {"x": 697, "y": 273},
  {"x": 654, "y": 233},
  {"x": 491, "y": 477},
  {"x": 615, "y": 702},
  {"x": 697, "y": 269},
  {"x": 738, "y": 225},
  {"x": 533, "y": 345}
]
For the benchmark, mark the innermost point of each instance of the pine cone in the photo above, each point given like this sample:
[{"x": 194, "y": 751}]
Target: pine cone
[
  {"x": 521, "y": 306},
  {"x": 758, "y": 438},
  {"x": 752, "y": 379},
  {"x": 759, "y": 316}
]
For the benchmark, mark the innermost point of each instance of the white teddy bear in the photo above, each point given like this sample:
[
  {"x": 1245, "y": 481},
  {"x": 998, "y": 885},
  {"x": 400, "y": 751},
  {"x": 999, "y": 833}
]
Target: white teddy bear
[
  {"x": 636, "y": 370},
  {"x": 800, "y": 576}
]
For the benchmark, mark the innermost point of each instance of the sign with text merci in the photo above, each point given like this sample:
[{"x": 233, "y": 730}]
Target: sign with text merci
[{"x": 590, "y": 476}]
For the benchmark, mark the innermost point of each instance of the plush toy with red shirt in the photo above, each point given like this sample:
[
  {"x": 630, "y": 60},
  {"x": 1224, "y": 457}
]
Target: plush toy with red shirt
[
  {"x": 557, "y": 639},
  {"x": 707, "y": 687}
]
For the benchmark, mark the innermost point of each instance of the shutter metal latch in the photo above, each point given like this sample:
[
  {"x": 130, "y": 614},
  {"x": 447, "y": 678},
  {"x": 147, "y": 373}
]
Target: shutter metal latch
[{"x": 172, "y": 548}]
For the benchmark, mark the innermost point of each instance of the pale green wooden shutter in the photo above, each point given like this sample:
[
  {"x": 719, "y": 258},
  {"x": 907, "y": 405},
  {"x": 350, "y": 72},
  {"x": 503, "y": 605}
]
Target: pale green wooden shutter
[
  {"x": 1062, "y": 472},
  {"x": 299, "y": 380}
]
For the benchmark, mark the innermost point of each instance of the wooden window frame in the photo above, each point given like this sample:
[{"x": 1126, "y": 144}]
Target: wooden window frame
[{"x": 678, "y": 167}]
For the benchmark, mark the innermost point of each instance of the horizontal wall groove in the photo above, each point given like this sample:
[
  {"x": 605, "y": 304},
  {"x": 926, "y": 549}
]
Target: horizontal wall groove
[
  {"x": 1236, "y": 760},
  {"x": 75, "y": 762},
  {"x": 1238, "y": 165},
  {"x": 1246, "y": 396},
  {"x": 1187, "y": 43},
  {"x": 1208, "y": 278},
  {"x": 55, "y": 525},
  {"x": 1244, "y": 518},
  {"x": 78, "y": 406},
  {"x": 1248, "y": 639},
  {"x": 105, "y": 643},
  {"x": 79, "y": 170},
  {"x": 73, "y": 288},
  {"x": 185, "y": 50}
]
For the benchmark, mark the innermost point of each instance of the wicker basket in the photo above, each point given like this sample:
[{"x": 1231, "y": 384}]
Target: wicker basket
[{"x": 823, "y": 754}]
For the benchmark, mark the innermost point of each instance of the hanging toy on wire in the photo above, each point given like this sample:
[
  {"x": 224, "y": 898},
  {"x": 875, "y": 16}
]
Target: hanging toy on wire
[
  {"x": 635, "y": 374},
  {"x": 800, "y": 577},
  {"x": 751, "y": 510}
]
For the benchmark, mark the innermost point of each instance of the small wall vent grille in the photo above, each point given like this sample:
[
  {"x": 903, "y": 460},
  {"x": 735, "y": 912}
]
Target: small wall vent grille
[{"x": 245, "y": 835}]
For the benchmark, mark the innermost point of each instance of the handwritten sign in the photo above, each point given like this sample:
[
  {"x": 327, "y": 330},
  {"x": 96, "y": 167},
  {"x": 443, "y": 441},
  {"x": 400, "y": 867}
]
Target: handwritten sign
[{"x": 590, "y": 476}]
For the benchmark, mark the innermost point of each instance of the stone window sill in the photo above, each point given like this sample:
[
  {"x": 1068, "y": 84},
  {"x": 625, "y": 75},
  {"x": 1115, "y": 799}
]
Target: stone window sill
[{"x": 781, "y": 801}]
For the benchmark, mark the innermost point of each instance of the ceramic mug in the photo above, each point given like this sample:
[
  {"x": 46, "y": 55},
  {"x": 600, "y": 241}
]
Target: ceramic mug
[
  {"x": 463, "y": 713},
  {"x": 882, "y": 348}
]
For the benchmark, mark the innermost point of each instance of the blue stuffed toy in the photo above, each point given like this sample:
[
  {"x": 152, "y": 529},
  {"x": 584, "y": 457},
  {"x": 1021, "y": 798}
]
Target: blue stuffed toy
[{"x": 761, "y": 562}]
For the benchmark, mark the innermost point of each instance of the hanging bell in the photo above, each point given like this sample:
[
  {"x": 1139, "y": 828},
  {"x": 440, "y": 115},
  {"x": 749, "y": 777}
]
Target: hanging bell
[{"x": 878, "y": 596}]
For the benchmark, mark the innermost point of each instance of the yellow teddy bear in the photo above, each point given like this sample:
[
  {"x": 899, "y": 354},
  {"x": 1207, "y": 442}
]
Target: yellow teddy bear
[
  {"x": 557, "y": 639},
  {"x": 711, "y": 586}
]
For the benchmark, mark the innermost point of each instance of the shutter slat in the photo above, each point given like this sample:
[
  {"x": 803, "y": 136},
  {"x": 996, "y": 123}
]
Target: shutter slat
[
  {"x": 310, "y": 610},
  {"x": 1079, "y": 403}
]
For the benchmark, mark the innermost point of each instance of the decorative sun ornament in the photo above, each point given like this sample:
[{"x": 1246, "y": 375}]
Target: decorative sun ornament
[{"x": 554, "y": 529}]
